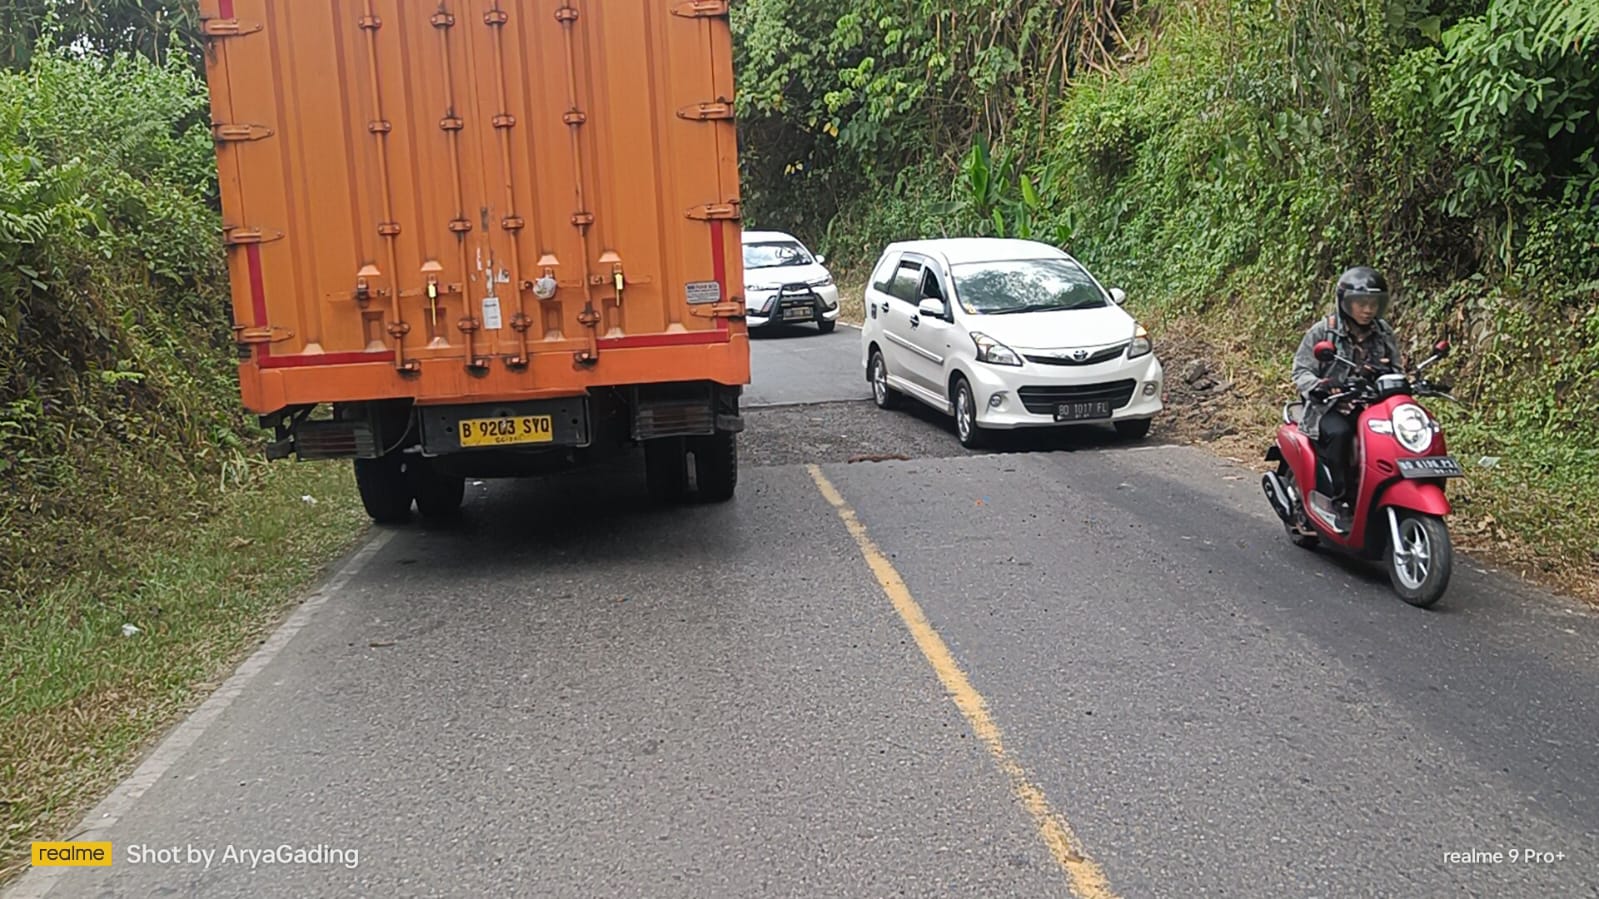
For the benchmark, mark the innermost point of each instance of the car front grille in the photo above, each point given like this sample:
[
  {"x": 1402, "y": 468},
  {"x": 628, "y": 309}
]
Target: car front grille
[
  {"x": 1093, "y": 358},
  {"x": 1043, "y": 400}
]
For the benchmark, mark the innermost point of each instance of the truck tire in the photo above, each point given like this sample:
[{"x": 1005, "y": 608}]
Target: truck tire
[
  {"x": 666, "y": 469},
  {"x": 716, "y": 466},
  {"x": 438, "y": 495},
  {"x": 385, "y": 489}
]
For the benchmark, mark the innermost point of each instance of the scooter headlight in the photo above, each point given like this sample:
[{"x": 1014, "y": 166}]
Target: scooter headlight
[{"x": 1413, "y": 428}]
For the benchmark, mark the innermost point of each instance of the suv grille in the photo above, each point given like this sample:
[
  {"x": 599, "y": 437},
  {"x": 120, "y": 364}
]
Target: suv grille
[{"x": 1043, "y": 400}]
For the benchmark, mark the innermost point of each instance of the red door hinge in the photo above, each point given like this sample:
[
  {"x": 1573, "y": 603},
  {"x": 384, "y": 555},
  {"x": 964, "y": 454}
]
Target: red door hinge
[
  {"x": 710, "y": 212},
  {"x": 218, "y": 28},
  {"x": 231, "y": 133},
  {"x": 234, "y": 237},
  {"x": 717, "y": 110},
  {"x": 701, "y": 9},
  {"x": 262, "y": 334}
]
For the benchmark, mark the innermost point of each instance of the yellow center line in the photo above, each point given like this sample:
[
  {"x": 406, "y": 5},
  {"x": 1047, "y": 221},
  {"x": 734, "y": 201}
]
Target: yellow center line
[{"x": 1087, "y": 880}]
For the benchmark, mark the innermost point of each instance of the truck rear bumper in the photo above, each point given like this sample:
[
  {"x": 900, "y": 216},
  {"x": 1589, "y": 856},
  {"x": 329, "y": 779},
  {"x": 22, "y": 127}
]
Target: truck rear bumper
[{"x": 721, "y": 357}]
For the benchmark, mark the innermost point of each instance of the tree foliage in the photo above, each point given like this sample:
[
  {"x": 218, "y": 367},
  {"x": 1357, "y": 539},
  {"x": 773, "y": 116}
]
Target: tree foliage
[{"x": 153, "y": 28}]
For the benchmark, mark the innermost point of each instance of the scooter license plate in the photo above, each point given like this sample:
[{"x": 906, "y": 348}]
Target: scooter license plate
[{"x": 1431, "y": 467}]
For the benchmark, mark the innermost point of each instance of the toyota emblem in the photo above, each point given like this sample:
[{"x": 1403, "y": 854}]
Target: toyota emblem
[{"x": 1079, "y": 355}]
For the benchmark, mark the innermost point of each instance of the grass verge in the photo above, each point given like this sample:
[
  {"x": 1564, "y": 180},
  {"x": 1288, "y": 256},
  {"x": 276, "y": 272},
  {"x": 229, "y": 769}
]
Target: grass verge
[{"x": 80, "y": 698}]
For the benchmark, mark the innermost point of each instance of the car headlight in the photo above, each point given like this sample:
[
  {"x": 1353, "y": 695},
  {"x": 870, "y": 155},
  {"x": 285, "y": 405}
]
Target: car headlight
[
  {"x": 993, "y": 352},
  {"x": 826, "y": 281},
  {"x": 761, "y": 288},
  {"x": 1413, "y": 428},
  {"x": 1142, "y": 346}
]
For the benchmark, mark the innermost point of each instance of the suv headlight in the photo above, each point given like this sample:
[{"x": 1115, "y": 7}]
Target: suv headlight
[
  {"x": 993, "y": 352},
  {"x": 1142, "y": 346},
  {"x": 1412, "y": 428},
  {"x": 825, "y": 281}
]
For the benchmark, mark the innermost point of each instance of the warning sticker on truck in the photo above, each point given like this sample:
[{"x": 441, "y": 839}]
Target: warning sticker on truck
[
  {"x": 492, "y": 320},
  {"x": 702, "y": 293}
]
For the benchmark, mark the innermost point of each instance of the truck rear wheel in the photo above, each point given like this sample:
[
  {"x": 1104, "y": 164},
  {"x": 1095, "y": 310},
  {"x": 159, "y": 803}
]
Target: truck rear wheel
[
  {"x": 438, "y": 495},
  {"x": 666, "y": 468},
  {"x": 385, "y": 489},
  {"x": 716, "y": 466}
]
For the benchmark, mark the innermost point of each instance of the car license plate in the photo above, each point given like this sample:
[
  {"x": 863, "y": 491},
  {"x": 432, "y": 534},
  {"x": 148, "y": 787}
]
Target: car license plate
[
  {"x": 478, "y": 432},
  {"x": 798, "y": 313},
  {"x": 1082, "y": 411},
  {"x": 1431, "y": 467}
]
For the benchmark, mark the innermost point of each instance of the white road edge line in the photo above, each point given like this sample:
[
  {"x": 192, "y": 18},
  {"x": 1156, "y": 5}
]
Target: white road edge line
[{"x": 36, "y": 883}]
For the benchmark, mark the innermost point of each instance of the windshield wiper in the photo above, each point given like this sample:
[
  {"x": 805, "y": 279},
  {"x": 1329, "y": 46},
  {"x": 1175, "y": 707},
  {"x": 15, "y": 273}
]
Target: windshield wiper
[{"x": 1030, "y": 307}]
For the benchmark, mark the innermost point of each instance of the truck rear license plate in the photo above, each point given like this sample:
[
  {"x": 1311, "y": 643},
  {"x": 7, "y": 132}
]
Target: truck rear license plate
[{"x": 478, "y": 432}]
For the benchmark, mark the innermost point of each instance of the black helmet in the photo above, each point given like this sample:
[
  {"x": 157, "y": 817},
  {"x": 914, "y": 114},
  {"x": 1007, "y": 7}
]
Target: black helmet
[{"x": 1362, "y": 281}]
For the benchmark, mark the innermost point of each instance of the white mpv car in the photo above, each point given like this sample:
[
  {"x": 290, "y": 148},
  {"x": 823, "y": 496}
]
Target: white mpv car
[
  {"x": 785, "y": 284},
  {"x": 1005, "y": 334}
]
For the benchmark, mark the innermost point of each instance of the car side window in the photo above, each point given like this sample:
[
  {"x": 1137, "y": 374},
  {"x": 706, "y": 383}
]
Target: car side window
[
  {"x": 907, "y": 281},
  {"x": 932, "y": 289},
  {"x": 884, "y": 275}
]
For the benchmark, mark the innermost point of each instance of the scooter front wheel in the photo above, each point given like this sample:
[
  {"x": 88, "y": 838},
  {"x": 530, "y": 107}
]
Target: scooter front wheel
[{"x": 1420, "y": 563}]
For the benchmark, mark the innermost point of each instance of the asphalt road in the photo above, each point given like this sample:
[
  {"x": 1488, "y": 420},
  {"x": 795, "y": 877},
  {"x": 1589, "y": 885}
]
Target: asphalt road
[
  {"x": 1072, "y": 667},
  {"x": 799, "y": 364}
]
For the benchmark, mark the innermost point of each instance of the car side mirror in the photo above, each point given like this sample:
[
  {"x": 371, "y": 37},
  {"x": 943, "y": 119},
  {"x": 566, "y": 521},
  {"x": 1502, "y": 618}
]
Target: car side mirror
[
  {"x": 930, "y": 306},
  {"x": 1325, "y": 351},
  {"x": 1118, "y": 296},
  {"x": 821, "y": 260}
]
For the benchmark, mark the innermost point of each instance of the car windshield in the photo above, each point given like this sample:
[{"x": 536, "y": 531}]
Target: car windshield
[
  {"x": 1025, "y": 285},
  {"x": 776, "y": 254}
]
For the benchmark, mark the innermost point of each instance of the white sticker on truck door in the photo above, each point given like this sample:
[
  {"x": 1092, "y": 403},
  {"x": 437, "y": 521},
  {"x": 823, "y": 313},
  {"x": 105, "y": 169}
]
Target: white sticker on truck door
[
  {"x": 703, "y": 293},
  {"x": 491, "y": 314}
]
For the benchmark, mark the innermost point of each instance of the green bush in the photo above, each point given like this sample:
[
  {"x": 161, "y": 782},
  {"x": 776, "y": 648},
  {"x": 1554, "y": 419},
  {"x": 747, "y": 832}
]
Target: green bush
[
  {"x": 1227, "y": 160},
  {"x": 116, "y": 390}
]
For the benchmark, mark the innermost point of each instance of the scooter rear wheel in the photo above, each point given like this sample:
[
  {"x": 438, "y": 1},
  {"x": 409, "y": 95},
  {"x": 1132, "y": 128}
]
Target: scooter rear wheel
[
  {"x": 1420, "y": 565},
  {"x": 1295, "y": 535}
]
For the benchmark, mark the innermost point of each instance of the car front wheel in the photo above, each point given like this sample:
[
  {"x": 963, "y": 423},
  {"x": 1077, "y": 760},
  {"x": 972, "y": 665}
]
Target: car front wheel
[{"x": 966, "y": 427}]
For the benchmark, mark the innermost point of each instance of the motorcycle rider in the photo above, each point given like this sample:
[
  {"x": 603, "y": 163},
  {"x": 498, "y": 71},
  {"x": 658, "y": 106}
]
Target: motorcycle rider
[{"x": 1361, "y": 335}]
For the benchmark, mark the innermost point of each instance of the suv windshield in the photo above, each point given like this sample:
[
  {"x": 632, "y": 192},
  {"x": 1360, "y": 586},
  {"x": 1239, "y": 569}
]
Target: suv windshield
[
  {"x": 1025, "y": 285},
  {"x": 775, "y": 255}
]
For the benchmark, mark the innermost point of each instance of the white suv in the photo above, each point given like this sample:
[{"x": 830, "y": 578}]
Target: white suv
[
  {"x": 1005, "y": 334},
  {"x": 785, "y": 284}
]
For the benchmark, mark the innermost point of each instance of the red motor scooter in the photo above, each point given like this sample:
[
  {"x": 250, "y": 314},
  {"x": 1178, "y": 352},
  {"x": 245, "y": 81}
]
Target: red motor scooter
[{"x": 1401, "y": 463}]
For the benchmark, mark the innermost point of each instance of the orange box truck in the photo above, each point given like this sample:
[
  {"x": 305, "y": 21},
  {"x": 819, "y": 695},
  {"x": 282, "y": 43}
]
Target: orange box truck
[{"x": 484, "y": 238}]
